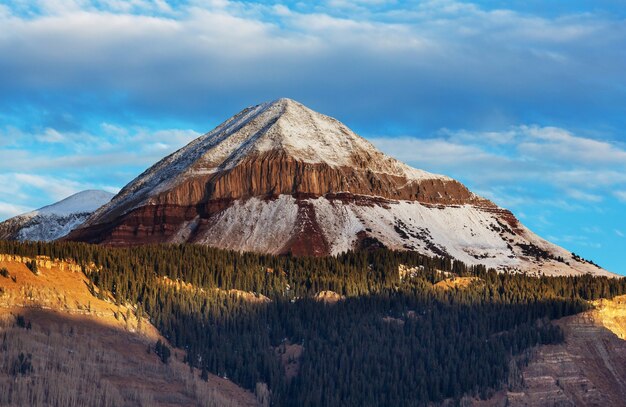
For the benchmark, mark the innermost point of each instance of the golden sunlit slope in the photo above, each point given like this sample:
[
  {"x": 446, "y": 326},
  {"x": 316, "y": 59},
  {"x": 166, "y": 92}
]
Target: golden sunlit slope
[{"x": 63, "y": 346}]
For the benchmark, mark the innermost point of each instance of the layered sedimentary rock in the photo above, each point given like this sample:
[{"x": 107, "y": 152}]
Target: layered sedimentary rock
[
  {"x": 588, "y": 369},
  {"x": 276, "y": 173},
  {"x": 281, "y": 178}
]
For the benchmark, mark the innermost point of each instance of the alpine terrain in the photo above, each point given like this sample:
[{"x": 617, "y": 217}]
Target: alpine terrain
[
  {"x": 54, "y": 221},
  {"x": 280, "y": 178}
]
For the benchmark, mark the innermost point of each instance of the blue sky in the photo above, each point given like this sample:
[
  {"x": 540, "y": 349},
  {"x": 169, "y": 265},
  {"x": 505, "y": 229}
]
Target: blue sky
[{"x": 524, "y": 101}]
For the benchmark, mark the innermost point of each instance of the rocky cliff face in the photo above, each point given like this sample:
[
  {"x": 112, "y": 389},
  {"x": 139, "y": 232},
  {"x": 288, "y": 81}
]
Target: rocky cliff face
[
  {"x": 281, "y": 178},
  {"x": 275, "y": 173}
]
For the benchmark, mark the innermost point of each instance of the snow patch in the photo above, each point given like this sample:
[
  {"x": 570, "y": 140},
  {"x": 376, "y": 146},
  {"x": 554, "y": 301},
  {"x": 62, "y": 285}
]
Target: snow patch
[
  {"x": 81, "y": 202},
  {"x": 254, "y": 225}
]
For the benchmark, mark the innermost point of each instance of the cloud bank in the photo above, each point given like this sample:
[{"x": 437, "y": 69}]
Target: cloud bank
[{"x": 421, "y": 65}]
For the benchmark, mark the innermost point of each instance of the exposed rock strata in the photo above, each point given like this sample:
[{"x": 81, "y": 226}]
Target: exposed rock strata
[{"x": 589, "y": 369}]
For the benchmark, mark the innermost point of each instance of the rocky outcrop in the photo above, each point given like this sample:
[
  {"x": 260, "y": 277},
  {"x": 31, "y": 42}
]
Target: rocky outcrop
[
  {"x": 329, "y": 297},
  {"x": 275, "y": 173},
  {"x": 11, "y": 227}
]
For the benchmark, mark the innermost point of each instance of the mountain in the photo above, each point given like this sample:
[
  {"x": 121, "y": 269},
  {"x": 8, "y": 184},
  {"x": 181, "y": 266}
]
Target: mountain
[
  {"x": 54, "y": 221},
  {"x": 281, "y": 178}
]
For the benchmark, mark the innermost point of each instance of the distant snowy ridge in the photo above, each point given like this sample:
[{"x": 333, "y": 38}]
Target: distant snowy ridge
[{"x": 54, "y": 221}]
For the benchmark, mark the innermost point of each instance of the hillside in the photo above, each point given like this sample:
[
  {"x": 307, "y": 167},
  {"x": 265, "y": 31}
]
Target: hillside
[
  {"x": 280, "y": 178},
  {"x": 587, "y": 369},
  {"x": 365, "y": 328},
  {"x": 83, "y": 350}
]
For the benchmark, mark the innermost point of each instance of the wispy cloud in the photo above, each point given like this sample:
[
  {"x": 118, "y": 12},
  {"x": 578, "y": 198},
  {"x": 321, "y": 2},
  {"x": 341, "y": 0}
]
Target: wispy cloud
[
  {"x": 583, "y": 169},
  {"x": 621, "y": 195},
  {"x": 8, "y": 210},
  {"x": 578, "y": 240},
  {"x": 63, "y": 163}
]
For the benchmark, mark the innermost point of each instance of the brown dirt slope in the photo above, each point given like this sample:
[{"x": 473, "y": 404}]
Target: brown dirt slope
[
  {"x": 87, "y": 351},
  {"x": 588, "y": 369}
]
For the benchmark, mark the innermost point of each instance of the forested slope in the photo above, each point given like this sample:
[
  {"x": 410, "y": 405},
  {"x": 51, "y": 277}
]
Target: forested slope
[{"x": 396, "y": 338}]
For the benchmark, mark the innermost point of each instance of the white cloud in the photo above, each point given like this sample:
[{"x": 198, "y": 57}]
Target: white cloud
[
  {"x": 51, "y": 186},
  {"x": 113, "y": 130},
  {"x": 584, "y": 196},
  {"x": 557, "y": 144},
  {"x": 431, "y": 151},
  {"x": 435, "y": 52},
  {"x": 592, "y": 229},
  {"x": 619, "y": 233},
  {"x": 581, "y": 170},
  {"x": 579, "y": 240},
  {"x": 51, "y": 136},
  {"x": 119, "y": 147},
  {"x": 621, "y": 195}
]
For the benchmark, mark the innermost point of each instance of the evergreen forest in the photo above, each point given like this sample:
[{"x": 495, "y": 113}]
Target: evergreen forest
[{"x": 390, "y": 340}]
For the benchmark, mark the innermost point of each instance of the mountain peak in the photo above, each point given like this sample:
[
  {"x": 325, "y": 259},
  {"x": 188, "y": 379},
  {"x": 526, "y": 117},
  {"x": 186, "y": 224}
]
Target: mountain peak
[
  {"x": 55, "y": 220},
  {"x": 280, "y": 130},
  {"x": 81, "y": 202},
  {"x": 302, "y": 133},
  {"x": 287, "y": 102},
  {"x": 279, "y": 177},
  {"x": 283, "y": 125}
]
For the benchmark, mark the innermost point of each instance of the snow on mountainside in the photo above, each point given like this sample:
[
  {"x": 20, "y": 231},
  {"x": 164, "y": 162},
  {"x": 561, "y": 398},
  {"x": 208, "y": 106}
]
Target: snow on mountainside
[
  {"x": 281, "y": 178},
  {"x": 283, "y": 124},
  {"x": 467, "y": 233},
  {"x": 54, "y": 221}
]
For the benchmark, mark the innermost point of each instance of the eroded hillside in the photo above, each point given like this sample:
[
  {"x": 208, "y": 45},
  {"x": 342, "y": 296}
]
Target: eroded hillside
[
  {"x": 61, "y": 345},
  {"x": 587, "y": 369}
]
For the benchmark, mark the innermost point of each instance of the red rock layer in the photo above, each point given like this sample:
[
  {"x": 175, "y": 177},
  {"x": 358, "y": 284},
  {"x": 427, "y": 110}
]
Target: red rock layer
[
  {"x": 308, "y": 239},
  {"x": 275, "y": 173},
  {"x": 267, "y": 176},
  {"x": 145, "y": 225}
]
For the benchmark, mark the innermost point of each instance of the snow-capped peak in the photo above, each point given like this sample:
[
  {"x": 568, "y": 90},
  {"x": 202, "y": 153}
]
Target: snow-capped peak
[
  {"x": 304, "y": 134},
  {"x": 54, "y": 221},
  {"x": 282, "y": 125},
  {"x": 81, "y": 202}
]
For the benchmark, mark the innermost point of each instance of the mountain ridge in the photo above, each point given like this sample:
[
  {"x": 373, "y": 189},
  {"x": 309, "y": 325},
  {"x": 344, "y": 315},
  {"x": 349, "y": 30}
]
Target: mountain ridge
[{"x": 56, "y": 220}]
